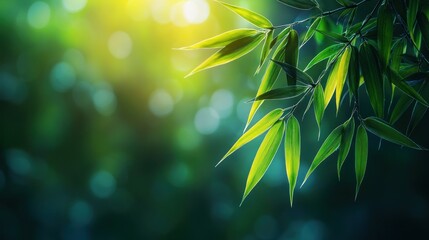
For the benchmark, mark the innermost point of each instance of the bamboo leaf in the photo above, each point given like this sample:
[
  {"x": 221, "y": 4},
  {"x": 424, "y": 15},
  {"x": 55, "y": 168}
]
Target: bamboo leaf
[
  {"x": 407, "y": 89},
  {"x": 354, "y": 74},
  {"x": 346, "y": 142},
  {"x": 292, "y": 153},
  {"x": 280, "y": 36},
  {"x": 252, "y": 17},
  {"x": 329, "y": 146},
  {"x": 334, "y": 36},
  {"x": 423, "y": 22},
  {"x": 413, "y": 8},
  {"x": 294, "y": 72},
  {"x": 324, "y": 54},
  {"x": 260, "y": 127},
  {"x": 387, "y": 132},
  {"x": 369, "y": 63},
  {"x": 395, "y": 61},
  {"x": 310, "y": 31},
  {"x": 282, "y": 93},
  {"x": 223, "y": 39},
  {"x": 401, "y": 106},
  {"x": 265, "y": 49},
  {"x": 230, "y": 52},
  {"x": 319, "y": 105},
  {"x": 270, "y": 76},
  {"x": 361, "y": 156},
  {"x": 291, "y": 54},
  {"x": 384, "y": 33},
  {"x": 417, "y": 115},
  {"x": 264, "y": 156},
  {"x": 372, "y": 23},
  {"x": 300, "y": 4}
]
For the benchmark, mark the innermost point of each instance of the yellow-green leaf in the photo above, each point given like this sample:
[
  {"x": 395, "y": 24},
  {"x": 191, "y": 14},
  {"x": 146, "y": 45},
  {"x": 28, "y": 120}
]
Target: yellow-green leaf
[
  {"x": 223, "y": 39},
  {"x": 319, "y": 105},
  {"x": 310, "y": 31},
  {"x": 265, "y": 49},
  {"x": 346, "y": 142},
  {"x": 292, "y": 153},
  {"x": 264, "y": 156},
  {"x": 230, "y": 52},
  {"x": 260, "y": 127},
  {"x": 361, "y": 156},
  {"x": 291, "y": 54},
  {"x": 329, "y": 146},
  {"x": 252, "y": 17}
]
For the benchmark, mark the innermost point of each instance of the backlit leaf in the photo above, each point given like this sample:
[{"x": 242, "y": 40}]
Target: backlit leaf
[
  {"x": 254, "y": 18},
  {"x": 264, "y": 156},
  {"x": 230, "y": 52},
  {"x": 384, "y": 33},
  {"x": 346, "y": 142},
  {"x": 384, "y": 130},
  {"x": 260, "y": 127},
  {"x": 310, "y": 31},
  {"x": 300, "y": 4},
  {"x": 319, "y": 105},
  {"x": 291, "y": 54},
  {"x": 265, "y": 49},
  {"x": 282, "y": 93},
  {"x": 292, "y": 153},
  {"x": 361, "y": 156},
  {"x": 223, "y": 39},
  {"x": 324, "y": 54},
  {"x": 292, "y": 71}
]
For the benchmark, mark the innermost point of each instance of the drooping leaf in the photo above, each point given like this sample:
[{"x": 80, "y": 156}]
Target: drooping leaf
[
  {"x": 324, "y": 54},
  {"x": 292, "y": 71},
  {"x": 401, "y": 106},
  {"x": 252, "y": 17},
  {"x": 223, "y": 39},
  {"x": 282, "y": 93},
  {"x": 329, "y": 146},
  {"x": 395, "y": 61},
  {"x": 384, "y": 130},
  {"x": 292, "y": 153},
  {"x": 407, "y": 89},
  {"x": 417, "y": 115},
  {"x": 291, "y": 54},
  {"x": 319, "y": 105},
  {"x": 413, "y": 8},
  {"x": 264, "y": 156},
  {"x": 280, "y": 36},
  {"x": 265, "y": 49},
  {"x": 300, "y": 4},
  {"x": 369, "y": 63},
  {"x": 361, "y": 156},
  {"x": 310, "y": 31},
  {"x": 260, "y": 127},
  {"x": 334, "y": 36},
  {"x": 384, "y": 33},
  {"x": 230, "y": 53},
  {"x": 423, "y": 22},
  {"x": 269, "y": 78},
  {"x": 346, "y": 142},
  {"x": 354, "y": 73}
]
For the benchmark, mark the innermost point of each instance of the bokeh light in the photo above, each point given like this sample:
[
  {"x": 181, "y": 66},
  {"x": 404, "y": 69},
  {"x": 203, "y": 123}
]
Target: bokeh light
[{"x": 39, "y": 14}]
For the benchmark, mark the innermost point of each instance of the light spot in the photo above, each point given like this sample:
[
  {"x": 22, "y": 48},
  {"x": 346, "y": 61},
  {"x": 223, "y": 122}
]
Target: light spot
[
  {"x": 177, "y": 15},
  {"x": 160, "y": 11},
  {"x": 104, "y": 101},
  {"x": 161, "y": 103},
  {"x": 74, "y": 5},
  {"x": 19, "y": 162},
  {"x": 38, "y": 14},
  {"x": 222, "y": 101},
  {"x": 102, "y": 184},
  {"x": 63, "y": 76},
  {"x": 196, "y": 11},
  {"x": 81, "y": 213},
  {"x": 206, "y": 121},
  {"x": 187, "y": 138},
  {"x": 120, "y": 45}
]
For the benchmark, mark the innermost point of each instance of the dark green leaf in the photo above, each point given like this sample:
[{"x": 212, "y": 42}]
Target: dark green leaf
[
  {"x": 264, "y": 156},
  {"x": 417, "y": 115},
  {"x": 354, "y": 74},
  {"x": 372, "y": 23},
  {"x": 294, "y": 72},
  {"x": 334, "y": 36},
  {"x": 291, "y": 54},
  {"x": 346, "y": 142},
  {"x": 397, "y": 51},
  {"x": 413, "y": 8},
  {"x": 423, "y": 22},
  {"x": 401, "y": 106},
  {"x": 223, "y": 39},
  {"x": 292, "y": 153},
  {"x": 384, "y": 33},
  {"x": 254, "y": 18},
  {"x": 282, "y": 93},
  {"x": 369, "y": 63},
  {"x": 260, "y": 127},
  {"x": 361, "y": 156},
  {"x": 310, "y": 31},
  {"x": 300, "y": 4},
  {"x": 387, "y": 132},
  {"x": 346, "y": 3},
  {"x": 324, "y": 54},
  {"x": 319, "y": 105},
  {"x": 407, "y": 89}
]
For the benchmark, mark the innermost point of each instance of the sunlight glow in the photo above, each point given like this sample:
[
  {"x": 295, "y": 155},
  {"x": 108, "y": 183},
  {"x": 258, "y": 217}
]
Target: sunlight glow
[
  {"x": 74, "y": 5},
  {"x": 196, "y": 11}
]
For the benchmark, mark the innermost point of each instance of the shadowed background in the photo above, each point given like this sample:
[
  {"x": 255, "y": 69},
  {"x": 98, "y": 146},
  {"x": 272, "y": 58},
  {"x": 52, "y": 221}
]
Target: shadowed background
[{"x": 102, "y": 137}]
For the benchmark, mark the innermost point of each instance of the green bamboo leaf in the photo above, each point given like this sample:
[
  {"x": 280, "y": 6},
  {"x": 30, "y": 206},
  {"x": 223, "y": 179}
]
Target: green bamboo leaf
[
  {"x": 401, "y": 106},
  {"x": 329, "y": 146},
  {"x": 346, "y": 142},
  {"x": 371, "y": 24},
  {"x": 395, "y": 61},
  {"x": 324, "y": 54},
  {"x": 280, "y": 36},
  {"x": 292, "y": 153},
  {"x": 319, "y": 105},
  {"x": 265, "y": 49},
  {"x": 282, "y": 93},
  {"x": 384, "y": 130},
  {"x": 270, "y": 76},
  {"x": 407, "y": 89},
  {"x": 385, "y": 33},
  {"x": 294, "y": 72},
  {"x": 361, "y": 156},
  {"x": 260, "y": 127},
  {"x": 291, "y": 54},
  {"x": 334, "y": 36},
  {"x": 300, "y": 4},
  {"x": 264, "y": 156},
  {"x": 230, "y": 52},
  {"x": 423, "y": 23},
  {"x": 310, "y": 31},
  {"x": 354, "y": 74},
  {"x": 417, "y": 115},
  {"x": 223, "y": 39},
  {"x": 412, "y": 10},
  {"x": 252, "y": 17},
  {"x": 369, "y": 63}
]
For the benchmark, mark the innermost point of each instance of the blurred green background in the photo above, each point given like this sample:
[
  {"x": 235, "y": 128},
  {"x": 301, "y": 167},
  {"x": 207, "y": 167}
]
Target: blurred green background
[{"x": 103, "y": 138}]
